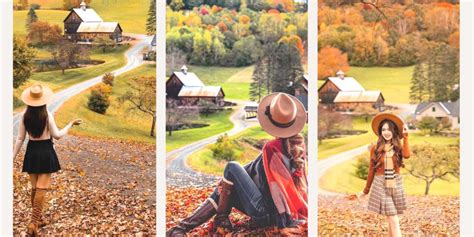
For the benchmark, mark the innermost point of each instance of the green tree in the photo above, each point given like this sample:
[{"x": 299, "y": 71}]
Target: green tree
[
  {"x": 151, "y": 20},
  {"x": 259, "y": 77},
  {"x": 22, "y": 61},
  {"x": 418, "y": 83},
  {"x": 31, "y": 17},
  {"x": 104, "y": 42},
  {"x": 246, "y": 51},
  {"x": 176, "y": 5},
  {"x": 429, "y": 123},
  {"x": 430, "y": 163},
  {"x": 67, "y": 54},
  {"x": 285, "y": 69},
  {"x": 224, "y": 149}
]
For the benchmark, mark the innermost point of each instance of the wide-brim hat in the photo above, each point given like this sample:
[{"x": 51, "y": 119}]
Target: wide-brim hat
[
  {"x": 281, "y": 115},
  {"x": 380, "y": 117},
  {"x": 37, "y": 95}
]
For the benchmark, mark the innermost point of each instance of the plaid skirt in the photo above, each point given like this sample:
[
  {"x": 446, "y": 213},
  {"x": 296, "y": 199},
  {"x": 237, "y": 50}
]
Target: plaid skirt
[{"x": 387, "y": 201}]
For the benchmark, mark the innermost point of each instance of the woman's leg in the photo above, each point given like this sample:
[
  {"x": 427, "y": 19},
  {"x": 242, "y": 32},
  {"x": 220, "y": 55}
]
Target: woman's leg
[
  {"x": 394, "y": 226},
  {"x": 33, "y": 179},
  {"x": 250, "y": 197},
  {"x": 42, "y": 185}
]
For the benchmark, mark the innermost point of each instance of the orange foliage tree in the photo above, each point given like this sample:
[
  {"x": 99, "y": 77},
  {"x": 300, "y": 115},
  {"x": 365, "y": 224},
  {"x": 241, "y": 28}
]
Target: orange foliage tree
[{"x": 331, "y": 60}]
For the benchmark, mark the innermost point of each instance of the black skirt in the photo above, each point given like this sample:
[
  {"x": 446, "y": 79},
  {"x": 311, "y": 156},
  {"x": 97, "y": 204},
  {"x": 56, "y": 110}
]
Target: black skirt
[{"x": 40, "y": 157}]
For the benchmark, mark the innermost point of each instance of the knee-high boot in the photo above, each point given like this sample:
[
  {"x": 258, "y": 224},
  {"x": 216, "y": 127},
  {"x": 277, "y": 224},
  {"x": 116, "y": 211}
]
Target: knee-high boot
[{"x": 38, "y": 202}]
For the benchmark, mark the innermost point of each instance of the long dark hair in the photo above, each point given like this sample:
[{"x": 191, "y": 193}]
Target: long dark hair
[
  {"x": 35, "y": 120},
  {"x": 397, "y": 147},
  {"x": 295, "y": 148}
]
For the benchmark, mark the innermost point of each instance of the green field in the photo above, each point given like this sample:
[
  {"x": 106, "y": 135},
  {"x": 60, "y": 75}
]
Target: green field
[
  {"x": 341, "y": 178},
  {"x": 203, "y": 161},
  {"x": 235, "y": 81},
  {"x": 52, "y": 16},
  {"x": 218, "y": 123},
  {"x": 109, "y": 10},
  {"x": 394, "y": 82},
  {"x": 118, "y": 122}
]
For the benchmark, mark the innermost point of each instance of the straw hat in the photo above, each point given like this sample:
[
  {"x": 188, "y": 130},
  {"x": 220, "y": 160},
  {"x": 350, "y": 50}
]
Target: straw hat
[
  {"x": 37, "y": 95},
  {"x": 281, "y": 115},
  {"x": 380, "y": 117}
]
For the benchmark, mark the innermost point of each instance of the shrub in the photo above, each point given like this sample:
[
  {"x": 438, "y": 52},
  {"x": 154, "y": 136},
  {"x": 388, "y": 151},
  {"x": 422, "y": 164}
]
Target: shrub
[
  {"x": 223, "y": 149},
  {"x": 362, "y": 167},
  {"x": 99, "y": 99},
  {"x": 429, "y": 123},
  {"x": 108, "y": 79}
]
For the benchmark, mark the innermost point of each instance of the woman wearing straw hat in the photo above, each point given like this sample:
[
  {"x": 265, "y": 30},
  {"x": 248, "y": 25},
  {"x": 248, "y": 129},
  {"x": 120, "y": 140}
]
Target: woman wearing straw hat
[
  {"x": 384, "y": 180},
  {"x": 40, "y": 158},
  {"x": 272, "y": 189}
]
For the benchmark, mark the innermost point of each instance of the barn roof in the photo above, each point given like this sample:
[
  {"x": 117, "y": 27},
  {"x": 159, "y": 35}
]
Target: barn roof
[
  {"x": 97, "y": 27},
  {"x": 188, "y": 79},
  {"x": 200, "y": 91},
  {"x": 346, "y": 84},
  {"x": 87, "y": 15},
  {"x": 357, "y": 96},
  {"x": 451, "y": 108}
]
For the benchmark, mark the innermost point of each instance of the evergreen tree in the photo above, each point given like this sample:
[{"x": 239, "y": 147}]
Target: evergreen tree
[
  {"x": 32, "y": 17},
  {"x": 286, "y": 69},
  {"x": 23, "y": 64},
  {"x": 259, "y": 76},
  {"x": 151, "y": 20},
  {"x": 418, "y": 92}
]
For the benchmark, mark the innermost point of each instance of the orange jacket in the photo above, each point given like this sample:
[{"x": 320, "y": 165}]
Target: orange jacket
[{"x": 381, "y": 167}]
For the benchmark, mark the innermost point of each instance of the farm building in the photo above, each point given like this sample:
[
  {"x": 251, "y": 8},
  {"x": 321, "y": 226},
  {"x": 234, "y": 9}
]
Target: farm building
[
  {"x": 188, "y": 89},
  {"x": 301, "y": 91},
  {"x": 439, "y": 110},
  {"x": 84, "y": 24},
  {"x": 346, "y": 93}
]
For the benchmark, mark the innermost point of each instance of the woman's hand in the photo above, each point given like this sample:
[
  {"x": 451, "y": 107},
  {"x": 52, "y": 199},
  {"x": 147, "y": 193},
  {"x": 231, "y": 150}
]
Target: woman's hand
[
  {"x": 76, "y": 122},
  {"x": 405, "y": 130},
  {"x": 357, "y": 196},
  {"x": 298, "y": 163}
]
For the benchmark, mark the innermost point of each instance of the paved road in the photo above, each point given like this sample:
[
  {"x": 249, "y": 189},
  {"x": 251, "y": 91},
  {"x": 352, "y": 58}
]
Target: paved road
[
  {"x": 134, "y": 59},
  {"x": 178, "y": 174}
]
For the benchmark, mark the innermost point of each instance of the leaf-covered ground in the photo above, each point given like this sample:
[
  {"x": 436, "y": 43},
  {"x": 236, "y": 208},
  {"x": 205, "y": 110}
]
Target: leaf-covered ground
[
  {"x": 425, "y": 216},
  {"x": 181, "y": 202},
  {"x": 104, "y": 187}
]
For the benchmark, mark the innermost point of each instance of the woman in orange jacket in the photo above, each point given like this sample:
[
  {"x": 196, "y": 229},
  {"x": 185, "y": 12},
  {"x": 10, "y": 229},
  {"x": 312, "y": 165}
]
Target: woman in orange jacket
[{"x": 387, "y": 196}]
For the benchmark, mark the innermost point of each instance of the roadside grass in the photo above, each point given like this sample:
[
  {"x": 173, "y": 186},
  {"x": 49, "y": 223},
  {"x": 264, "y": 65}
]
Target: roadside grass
[{"x": 218, "y": 123}]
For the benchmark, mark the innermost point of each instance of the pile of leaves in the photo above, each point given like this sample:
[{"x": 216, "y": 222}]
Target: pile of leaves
[
  {"x": 104, "y": 187},
  {"x": 425, "y": 215},
  {"x": 181, "y": 202}
]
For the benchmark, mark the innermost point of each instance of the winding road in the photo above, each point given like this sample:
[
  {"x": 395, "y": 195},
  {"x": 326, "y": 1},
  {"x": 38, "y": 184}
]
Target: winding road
[
  {"x": 134, "y": 59},
  {"x": 178, "y": 174}
]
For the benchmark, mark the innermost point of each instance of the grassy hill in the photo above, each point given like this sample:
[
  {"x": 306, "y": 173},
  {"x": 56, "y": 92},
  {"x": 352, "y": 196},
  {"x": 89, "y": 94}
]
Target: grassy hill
[
  {"x": 118, "y": 122},
  {"x": 130, "y": 14}
]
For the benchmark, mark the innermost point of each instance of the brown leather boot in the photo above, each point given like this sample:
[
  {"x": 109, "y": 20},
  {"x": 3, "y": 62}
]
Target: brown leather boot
[
  {"x": 38, "y": 202},
  {"x": 202, "y": 214},
  {"x": 222, "y": 223},
  {"x": 42, "y": 222}
]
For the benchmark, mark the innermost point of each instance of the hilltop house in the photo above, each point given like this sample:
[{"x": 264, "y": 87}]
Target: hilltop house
[
  {"x": 345, "y": 93},
  {"x": 188, "y": 89},
  {"x": 84, "y": 24},
  {"x": 439, "y": 110}
]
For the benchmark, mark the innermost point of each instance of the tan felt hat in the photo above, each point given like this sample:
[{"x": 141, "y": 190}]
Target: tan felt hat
[
  {"x": 37, "y": 95},
  {"x": 281, "y": 115},
  {"x": 380, "y": 117}
]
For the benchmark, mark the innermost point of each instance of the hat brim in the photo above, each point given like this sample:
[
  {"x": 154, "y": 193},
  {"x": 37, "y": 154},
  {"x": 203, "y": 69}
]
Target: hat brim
[
  {"x": 387, "y": 116},
  {"x": 270, "y": 128},
  {"x": 43, "y": 100}
]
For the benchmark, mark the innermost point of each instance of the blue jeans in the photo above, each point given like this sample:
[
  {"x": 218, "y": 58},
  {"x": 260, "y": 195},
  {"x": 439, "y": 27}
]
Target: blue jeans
[{"x": 246, "y": 197}]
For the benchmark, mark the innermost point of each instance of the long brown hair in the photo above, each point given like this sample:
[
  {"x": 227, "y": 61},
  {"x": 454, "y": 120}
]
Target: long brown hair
[
  {"x": 395, "y": 141},
  {"x": 35, "y": 120},
  {"x": 295, "y": 148}
]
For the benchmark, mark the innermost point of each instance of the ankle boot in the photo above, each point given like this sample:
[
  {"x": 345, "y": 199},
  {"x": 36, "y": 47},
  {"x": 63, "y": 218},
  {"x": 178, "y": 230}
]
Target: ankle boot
[
  {"x": 38, "y": 202},
  {"x": 222, "y": 223},
  {"x": 202, "y": 214},
  {"x": 42, "y": 222}
]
